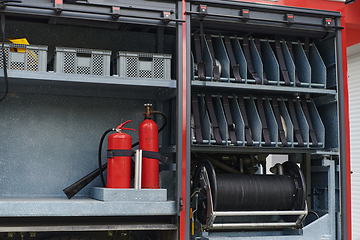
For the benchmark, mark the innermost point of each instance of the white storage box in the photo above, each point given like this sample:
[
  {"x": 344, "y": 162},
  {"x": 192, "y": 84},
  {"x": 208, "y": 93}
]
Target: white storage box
[
  {"x": 33, "y": 58},
  {"x": 144, "y": 65},
  {"x": 82, "y": 61}
]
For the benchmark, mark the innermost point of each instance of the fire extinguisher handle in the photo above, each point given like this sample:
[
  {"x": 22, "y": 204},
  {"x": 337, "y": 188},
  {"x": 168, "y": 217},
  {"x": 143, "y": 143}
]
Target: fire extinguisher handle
[
  {"x": 128, "y": 129},
  {"x": 121, "y": 126}
]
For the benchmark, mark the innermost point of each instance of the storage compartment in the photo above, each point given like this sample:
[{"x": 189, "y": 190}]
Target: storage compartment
[
  {"x": 270, "y": 120},
  {"x": 76, "y": 104},
  {"x": 51, "y": 141}
]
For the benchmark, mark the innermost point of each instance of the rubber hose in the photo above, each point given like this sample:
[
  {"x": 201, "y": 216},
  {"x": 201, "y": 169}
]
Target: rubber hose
[
  {"x": 99, "y": 154},
  {"x": 165, "y": 120}
]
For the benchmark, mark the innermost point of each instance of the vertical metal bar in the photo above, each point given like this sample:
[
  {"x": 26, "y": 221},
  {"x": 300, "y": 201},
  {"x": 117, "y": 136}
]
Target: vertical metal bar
[
  {"x": 160, "y": 39},
  {"x": 179, "y": 110},
  {"x": 306, "y": 168},
  {"x": 331, "y": 195},
  {"x": 136, "y": 177},
  {"x": 183, "y": 120},
  {"x": 344, "y": 135},
  {"x": 138, "y": 169},
  {"x": 187, "y": 52}
]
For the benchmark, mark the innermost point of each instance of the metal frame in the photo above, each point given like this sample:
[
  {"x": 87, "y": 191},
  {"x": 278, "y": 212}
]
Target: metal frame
[
  {"x": 211, "y": 214},
  {"x": 152, "y": 15},
  {"x": 182, "y": 23},
  {"x": 344, "y": 138}
]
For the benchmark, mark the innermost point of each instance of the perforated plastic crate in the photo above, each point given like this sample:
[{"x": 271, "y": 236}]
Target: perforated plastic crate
[
  {"x": 82, "y": 61},
  {"x": 144, "y": 65},
  {"x": 33, "y": 58}
]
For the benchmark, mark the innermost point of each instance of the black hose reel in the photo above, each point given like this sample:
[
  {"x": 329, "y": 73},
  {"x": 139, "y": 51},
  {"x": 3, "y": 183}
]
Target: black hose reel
[{"x": 249, "y": 196}]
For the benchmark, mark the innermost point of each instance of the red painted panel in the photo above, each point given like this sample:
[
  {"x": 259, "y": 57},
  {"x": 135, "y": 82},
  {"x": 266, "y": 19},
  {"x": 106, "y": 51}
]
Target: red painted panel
[
  {"x": 315, "y": 4},
  {"x": 352, "y": 23}
]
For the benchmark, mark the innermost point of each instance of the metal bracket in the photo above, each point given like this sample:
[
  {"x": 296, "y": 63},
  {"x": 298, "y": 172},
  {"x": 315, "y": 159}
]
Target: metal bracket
[
  {"x": 138, "y": 169},
  {"x": 181, "y": 203},
  {"x": 328, "y": 22},
  {"x": 115, "y": 12},
  {"x": 289, "y": 18},
  {"x": 245, "y": 13},
  {"x": 58, "y": 6},
  {"x": 203, "y": 11},
  {"x": 166, "y": 17},
  {"x": 3, "y": 3}
]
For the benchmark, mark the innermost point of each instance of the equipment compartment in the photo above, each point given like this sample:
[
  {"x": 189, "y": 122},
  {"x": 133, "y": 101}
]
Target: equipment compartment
[
  {"x": 272, "y": 115},
  {"x": 56, "y": 120}
]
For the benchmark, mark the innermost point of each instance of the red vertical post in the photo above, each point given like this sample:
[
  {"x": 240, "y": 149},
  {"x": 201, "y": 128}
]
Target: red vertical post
[{"x": 184, "y": 213}]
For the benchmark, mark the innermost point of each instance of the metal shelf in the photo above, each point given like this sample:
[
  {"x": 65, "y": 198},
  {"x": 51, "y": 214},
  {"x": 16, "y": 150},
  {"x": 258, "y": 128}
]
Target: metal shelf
[
  {"x": 226, "y": 87},
  {"x": 35, "y": 224},
  {"x": 83, "y": 85},
  {"x": 63, "y": 207},
  {"x": 240, "y": 150}
]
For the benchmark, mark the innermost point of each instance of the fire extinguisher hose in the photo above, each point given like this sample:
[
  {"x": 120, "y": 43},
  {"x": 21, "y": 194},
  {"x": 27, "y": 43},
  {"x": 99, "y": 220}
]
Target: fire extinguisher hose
[
  {"x": 99, "y": 153},
  {"x": 165, "y": 120}
]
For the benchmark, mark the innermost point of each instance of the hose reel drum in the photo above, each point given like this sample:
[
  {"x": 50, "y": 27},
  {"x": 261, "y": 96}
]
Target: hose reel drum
[{"x": 247, "y": 201}]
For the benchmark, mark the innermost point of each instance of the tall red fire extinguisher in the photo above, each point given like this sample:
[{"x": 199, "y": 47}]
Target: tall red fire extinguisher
[
  {"x": 148, "y": 141},
  {"x": 119, "y": 158}
]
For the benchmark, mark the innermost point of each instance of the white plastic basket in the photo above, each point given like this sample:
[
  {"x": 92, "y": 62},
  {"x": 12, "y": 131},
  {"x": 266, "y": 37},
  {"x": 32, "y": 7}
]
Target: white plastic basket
[
  {"x": 82, "y": 61},
  {"x": 144, "y": 65},
  {"x": 34, "y": 58}
]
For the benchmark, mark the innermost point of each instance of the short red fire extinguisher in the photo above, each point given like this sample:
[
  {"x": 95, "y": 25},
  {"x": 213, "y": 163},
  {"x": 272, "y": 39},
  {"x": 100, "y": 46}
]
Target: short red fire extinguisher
[
  {"x": 148, "y": 141},
  {"x": 119, "y": 158}
]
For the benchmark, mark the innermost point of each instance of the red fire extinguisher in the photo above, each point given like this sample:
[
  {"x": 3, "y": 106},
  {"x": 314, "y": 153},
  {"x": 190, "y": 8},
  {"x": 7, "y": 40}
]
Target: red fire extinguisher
[
  {"x": 148, "y": 141},
  {"x": 119, "y": 158}
]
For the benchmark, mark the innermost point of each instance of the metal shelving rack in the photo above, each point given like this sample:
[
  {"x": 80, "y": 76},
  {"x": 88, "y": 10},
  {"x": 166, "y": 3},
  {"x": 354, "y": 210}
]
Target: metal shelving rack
[
  {"x": 50, "y": 116},
  {"x": 270, "y": 22}
]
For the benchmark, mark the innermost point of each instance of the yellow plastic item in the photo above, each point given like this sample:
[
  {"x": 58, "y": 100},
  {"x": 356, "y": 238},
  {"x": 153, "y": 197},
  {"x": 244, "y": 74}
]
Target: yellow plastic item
[
  {"x": 192, "y": 223},
  {"x": 23, "y": 41}
]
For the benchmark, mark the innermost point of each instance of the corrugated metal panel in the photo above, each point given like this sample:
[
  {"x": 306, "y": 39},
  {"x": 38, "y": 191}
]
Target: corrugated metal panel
[{"x": 354, "y": 106}]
